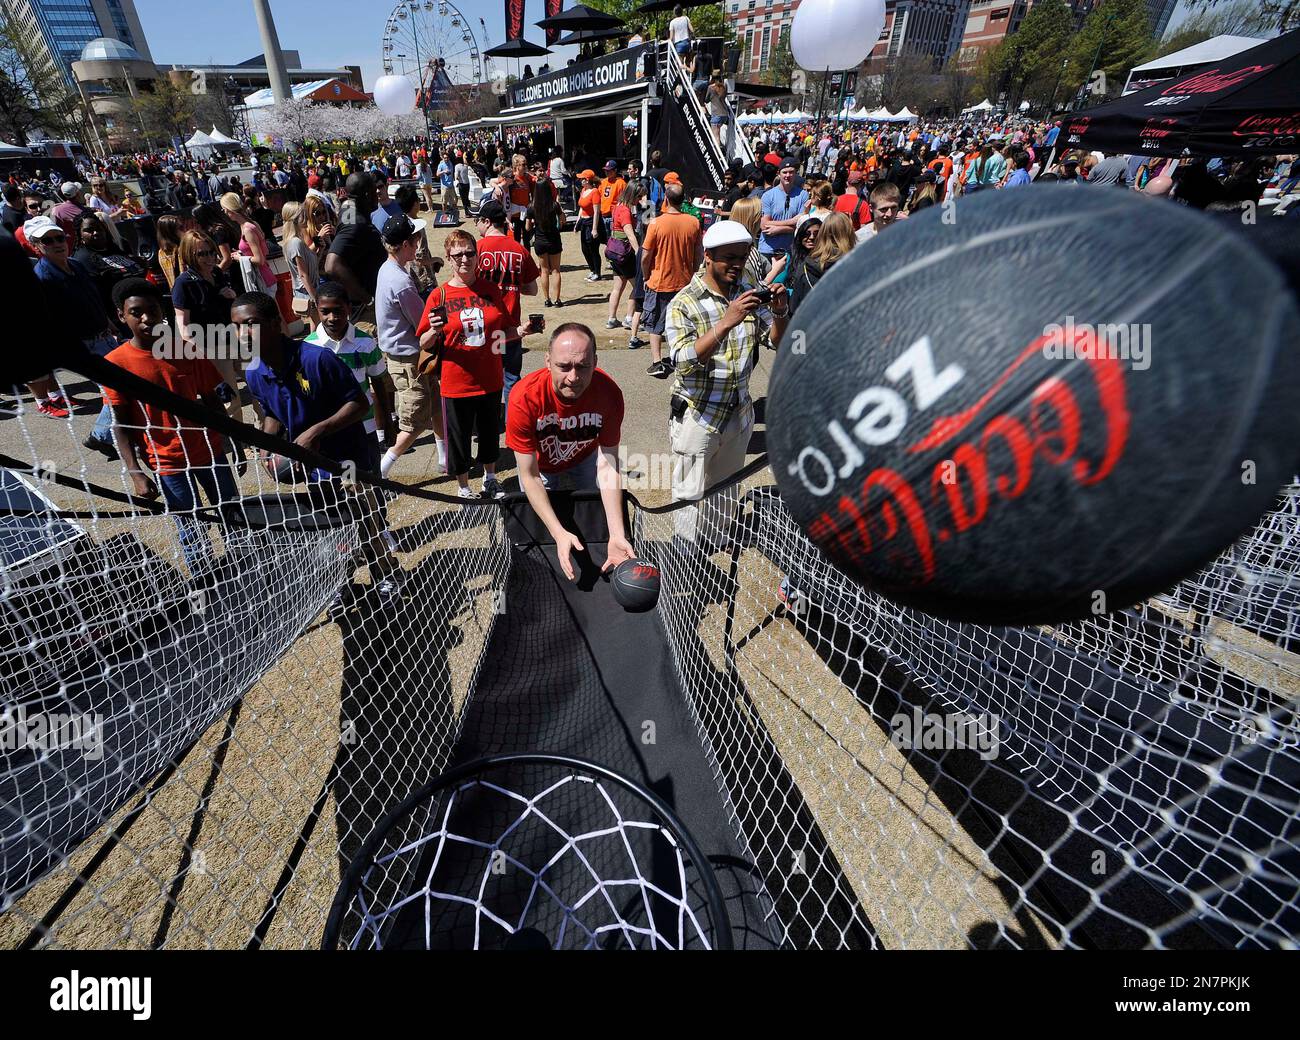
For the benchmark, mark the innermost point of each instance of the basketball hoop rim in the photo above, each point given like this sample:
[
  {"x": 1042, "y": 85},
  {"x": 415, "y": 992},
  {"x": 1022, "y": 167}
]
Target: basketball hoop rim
[{"x": 722, "y": 937}]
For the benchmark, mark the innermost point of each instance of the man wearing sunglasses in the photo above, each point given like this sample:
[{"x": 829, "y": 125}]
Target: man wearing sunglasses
[{"x": 70, "y": 291}]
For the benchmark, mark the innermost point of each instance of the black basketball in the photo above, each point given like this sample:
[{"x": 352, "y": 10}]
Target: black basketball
[
  {"x": 1043, "y": 404},
  {"x": 636, "y": 585}
]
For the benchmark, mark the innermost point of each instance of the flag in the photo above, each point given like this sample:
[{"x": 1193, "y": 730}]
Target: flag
[
  {"x": 514, "y": 19},
  {"x": 552, "y": 9}
]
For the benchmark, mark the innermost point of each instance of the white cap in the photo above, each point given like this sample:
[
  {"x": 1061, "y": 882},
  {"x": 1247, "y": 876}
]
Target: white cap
[
  {"x": 38, "y": 227},
  {"x": 726, "y": 233}
]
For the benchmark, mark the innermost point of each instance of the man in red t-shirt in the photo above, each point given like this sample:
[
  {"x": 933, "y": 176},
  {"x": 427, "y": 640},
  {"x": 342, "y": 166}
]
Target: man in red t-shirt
[
  {"x": 507, "y": 263},
  {"x": 184, "y": 457},
  {"x": 856, "y": 207},
  {"x": 564, "y": 426}
]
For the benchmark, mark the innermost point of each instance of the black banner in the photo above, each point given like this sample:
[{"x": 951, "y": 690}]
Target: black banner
[
  {"x": 623, "y": 68},
  {"x": 514, "y": 19},
  {"x": 552, "y": 9},
  {"x": 684, "y": 137}
]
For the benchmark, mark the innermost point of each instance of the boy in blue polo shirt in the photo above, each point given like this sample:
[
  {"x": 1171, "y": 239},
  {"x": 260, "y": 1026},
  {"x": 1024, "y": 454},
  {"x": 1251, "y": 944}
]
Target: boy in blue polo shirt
[{"x": 310, "y": 396}]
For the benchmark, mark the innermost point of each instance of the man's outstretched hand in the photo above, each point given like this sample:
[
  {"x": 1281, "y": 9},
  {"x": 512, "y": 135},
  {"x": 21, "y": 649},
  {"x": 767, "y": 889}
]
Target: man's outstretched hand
[
  {"x": 565, "y": 543},
  {"x": 620, "y": 551}
]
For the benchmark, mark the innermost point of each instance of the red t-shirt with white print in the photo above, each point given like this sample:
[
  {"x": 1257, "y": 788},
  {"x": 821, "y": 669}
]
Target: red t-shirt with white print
[
  {"x": 561, "y": 433},
  {"x": 473, "y": 339}
]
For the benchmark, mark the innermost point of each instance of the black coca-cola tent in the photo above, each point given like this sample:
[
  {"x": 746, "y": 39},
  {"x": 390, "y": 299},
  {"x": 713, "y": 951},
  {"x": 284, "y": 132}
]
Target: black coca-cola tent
[{"x": 1248, "y": 103}]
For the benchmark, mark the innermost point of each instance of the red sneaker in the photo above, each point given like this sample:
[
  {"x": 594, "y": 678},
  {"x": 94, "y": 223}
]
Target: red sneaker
[{"x": 52, "y": 410}]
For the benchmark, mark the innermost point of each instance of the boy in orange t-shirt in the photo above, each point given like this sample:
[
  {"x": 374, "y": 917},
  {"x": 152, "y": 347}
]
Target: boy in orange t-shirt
[{"x": 185, "y": 458}]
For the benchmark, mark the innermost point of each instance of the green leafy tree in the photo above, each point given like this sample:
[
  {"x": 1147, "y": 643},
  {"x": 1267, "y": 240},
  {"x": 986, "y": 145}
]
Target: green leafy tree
[
  {"x": 1115, "y": 36},
  {"x": 709, "y": 20},
  {"x": 781, "y": 66},
  {"x": 1036, "y": 52},
  {"x": 33, "y": 93}
]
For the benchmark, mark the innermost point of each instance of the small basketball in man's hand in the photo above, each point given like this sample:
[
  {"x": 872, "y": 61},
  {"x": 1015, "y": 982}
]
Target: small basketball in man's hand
[{"x": 636, "y": 585}]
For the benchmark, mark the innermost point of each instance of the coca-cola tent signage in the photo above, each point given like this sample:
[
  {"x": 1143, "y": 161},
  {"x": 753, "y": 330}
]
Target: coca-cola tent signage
[
  {"x": 1246, "y": 103},
  {"x": 624, "y": 68}
]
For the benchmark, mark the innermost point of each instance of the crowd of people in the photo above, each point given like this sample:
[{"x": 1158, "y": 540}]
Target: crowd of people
[{"x": 365, "y": 345}]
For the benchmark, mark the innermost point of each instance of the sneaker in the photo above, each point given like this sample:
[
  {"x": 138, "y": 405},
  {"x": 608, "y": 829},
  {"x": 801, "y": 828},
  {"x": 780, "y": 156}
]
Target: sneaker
[
  {"x": 636, "y": 343},
  {"x": 614, "y": 323},
  {"x": 468, "y": 493},
  {"x": 106, "y": 448},
  {"x": 63, "y": 401},
  {"x": 547, "y": 303},
  {"x": 559, "y": 303},
  {"x": 51, "y": 409},
  {"x": 492, "y": 488},
  {"x": 389, "y": 588},
  {"x": 592, "y": 278},
  {"x": 627, "y": 324},
  {"x": 661, "y": 369}
]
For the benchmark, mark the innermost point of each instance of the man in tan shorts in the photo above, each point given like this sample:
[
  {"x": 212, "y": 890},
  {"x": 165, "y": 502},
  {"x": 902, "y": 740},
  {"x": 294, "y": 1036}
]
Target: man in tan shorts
[{"x": 398, "y": 308}]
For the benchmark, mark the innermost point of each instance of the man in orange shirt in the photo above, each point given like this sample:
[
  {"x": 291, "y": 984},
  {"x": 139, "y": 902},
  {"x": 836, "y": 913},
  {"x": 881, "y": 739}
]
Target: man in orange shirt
[
  {"x": 942, "y": 167},
  {"x": 611, "y": 187},
  {"x": 670, "y": 255}
]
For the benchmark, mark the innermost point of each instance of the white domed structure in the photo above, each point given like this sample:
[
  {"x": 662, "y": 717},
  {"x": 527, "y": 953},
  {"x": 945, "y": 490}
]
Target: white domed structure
[
  {"x": 105, "y": 48},
  {"x": 109, "y": 74}
]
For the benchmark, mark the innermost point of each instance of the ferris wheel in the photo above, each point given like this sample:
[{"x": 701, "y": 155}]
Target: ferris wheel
[{"x": 432, "y": 42}]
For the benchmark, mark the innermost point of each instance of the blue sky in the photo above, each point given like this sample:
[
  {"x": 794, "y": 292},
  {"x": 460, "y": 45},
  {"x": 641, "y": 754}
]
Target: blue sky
[{"x": 327, "y": 33}]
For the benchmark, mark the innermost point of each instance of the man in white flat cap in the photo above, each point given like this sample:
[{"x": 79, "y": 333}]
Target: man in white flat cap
[{"x": 714, "y": 327}]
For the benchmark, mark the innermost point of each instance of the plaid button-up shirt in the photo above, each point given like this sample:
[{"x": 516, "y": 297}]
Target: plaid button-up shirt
[{"x": 716, "y": 387}]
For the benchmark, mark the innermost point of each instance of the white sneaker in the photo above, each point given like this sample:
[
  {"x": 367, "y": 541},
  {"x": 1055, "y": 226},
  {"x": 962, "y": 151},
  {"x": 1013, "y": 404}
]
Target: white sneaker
[
  {"x": 627, "y": 324},
  {"x": 466, "y": 492},
  {"x": 492, "y": 488}
]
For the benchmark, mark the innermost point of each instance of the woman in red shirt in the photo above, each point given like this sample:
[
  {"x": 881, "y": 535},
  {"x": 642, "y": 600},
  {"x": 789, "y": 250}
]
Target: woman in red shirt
[
  {"x": 464, "y": 327},
  {"x": 622, "y": 251},
  {"x": 589, "y": 223}
]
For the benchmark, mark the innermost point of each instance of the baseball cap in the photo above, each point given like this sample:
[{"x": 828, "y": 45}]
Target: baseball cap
[
  {"x": 671, "y": 178},
  {"x": 398, "y": 229},
  {"x": 750, "y": 173},
  {"x": 787, "y": 163},
  {"x": 773, "y": 158},
  {"x": 38, "y": 227},
  {"x": 587, "y": 175},
  {"x": 493, "y": 212},
  {"x": 68, "y": 189},
  {"x": 611, "y": 165},
  {"x": 313, "y": 181},
  {"x": 726, "y": 233}
]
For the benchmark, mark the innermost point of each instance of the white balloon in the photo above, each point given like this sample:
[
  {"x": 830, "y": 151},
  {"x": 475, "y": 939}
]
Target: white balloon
[
  {"x": 835, "y": 34},
  {"x": 394, "y": 95}
]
